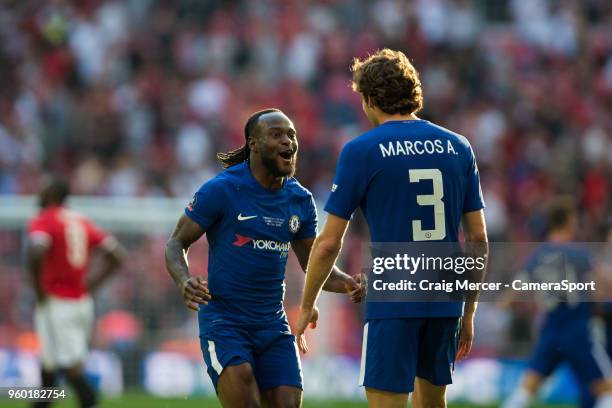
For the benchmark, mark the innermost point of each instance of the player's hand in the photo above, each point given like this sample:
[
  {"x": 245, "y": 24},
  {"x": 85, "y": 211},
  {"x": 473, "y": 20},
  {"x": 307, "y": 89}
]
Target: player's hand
[
  {"x": 307, "y": 317},
  {"x": 195, "y": 292},
  {"x": 40, "y": 294},
  {"x": 355, "y": 289},
  {"x": 466, "y": 337}
]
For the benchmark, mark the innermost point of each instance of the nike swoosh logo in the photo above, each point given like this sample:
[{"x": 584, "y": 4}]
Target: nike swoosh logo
[{"x": 243, "y": 218}]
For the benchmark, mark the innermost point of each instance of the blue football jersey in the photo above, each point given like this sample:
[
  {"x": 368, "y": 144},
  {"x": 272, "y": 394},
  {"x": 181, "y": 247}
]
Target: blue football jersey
[
  {"x": 249, "y": 231},
  {"x": 413, "y": 181},
  {"x": 555, "y": 262}
]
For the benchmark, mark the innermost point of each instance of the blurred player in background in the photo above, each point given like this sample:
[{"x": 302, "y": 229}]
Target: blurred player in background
[
  {"x": 566, "y": 334},
  {"x": 604, "y": 277},
  {"x": 60, "y": 248},
  {"x": 414, "y": 181},
  {"x": 252, "y": 213}
]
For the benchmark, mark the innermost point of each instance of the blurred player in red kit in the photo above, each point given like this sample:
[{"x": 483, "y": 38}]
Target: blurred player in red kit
[{"x": 60, "y": 245}]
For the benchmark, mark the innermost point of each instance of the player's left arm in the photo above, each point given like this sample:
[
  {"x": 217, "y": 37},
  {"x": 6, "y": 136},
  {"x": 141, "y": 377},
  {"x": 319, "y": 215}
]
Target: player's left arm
[
  {"x": 110, "y": 255},
  {"x": 477, "y": 246},
  {"x": 324, "y": 253},
  {"x": 338, "y": 281}
]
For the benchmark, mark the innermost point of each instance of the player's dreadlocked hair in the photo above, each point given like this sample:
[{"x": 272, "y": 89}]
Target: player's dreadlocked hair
[
  {"x": 241, "y": 154},
  {"x": 388, "y": 80}
]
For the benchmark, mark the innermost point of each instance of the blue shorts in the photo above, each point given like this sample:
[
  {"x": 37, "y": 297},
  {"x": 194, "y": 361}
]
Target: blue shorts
[
  {"x": 577, "y": 345},
  {"x": 396, "y": 350},
  {"x": 270, "y": 350}
]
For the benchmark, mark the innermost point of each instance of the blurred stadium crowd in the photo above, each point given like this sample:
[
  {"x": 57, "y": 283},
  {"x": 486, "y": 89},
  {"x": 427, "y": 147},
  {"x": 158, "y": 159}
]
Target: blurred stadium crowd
[{"x": 135, "y": 97}]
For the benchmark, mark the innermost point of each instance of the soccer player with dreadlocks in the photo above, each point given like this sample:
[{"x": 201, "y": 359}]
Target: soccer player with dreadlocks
[{"x": 252, "y": 214}]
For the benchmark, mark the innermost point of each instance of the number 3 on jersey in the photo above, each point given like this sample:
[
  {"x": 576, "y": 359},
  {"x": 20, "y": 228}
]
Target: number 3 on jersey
[{"x": 435, "y": 199}]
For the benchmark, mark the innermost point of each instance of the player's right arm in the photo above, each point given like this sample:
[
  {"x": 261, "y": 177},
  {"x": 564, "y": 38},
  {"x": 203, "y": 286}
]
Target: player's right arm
[
  {"x": 348, "y": 190},
  {"x": 38, "y": 246},
  {"x": 39, "y": 243},
  {"x": 207, "y": 207},
  {"x": 193, "y": 288}
]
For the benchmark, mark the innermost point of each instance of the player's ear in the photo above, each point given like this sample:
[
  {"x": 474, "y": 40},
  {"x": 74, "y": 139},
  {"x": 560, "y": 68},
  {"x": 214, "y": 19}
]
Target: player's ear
[{"x": 253, "y": 141}]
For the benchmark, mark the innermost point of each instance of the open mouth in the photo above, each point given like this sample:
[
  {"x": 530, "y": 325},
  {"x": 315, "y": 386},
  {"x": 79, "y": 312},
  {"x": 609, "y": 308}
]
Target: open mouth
[{"x": 286, "y": 154}]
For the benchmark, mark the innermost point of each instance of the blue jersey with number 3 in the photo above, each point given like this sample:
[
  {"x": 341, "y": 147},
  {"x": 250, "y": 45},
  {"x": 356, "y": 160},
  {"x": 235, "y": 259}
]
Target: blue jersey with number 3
[{"x": 413, "y": 181}]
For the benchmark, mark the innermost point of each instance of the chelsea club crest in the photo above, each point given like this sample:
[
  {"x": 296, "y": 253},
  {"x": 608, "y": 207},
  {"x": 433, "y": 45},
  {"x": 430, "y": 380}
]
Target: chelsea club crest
[{"x": 294, "y": 224}]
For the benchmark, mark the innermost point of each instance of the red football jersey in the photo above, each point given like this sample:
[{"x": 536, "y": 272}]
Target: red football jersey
[{"x": 70, "y": 237}]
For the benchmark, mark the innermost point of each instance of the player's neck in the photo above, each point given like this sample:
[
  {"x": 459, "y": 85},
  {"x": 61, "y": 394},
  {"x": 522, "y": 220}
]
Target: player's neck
[
  {"x": 384, "y": 117},
  {"x": 561, "y": 236},
  {"x": 264, "y": 177},
  {"x": 51, "y": 206}
]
